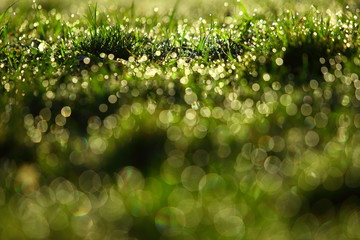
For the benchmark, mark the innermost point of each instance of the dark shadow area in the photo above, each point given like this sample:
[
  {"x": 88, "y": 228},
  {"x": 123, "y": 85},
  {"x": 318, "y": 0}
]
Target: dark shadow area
[
  {"x": 322, "y": 202},
  {"x": 14, "y": 150},
  {"x": 144, "y": 228},
  {"x": 143, "y": 150}
]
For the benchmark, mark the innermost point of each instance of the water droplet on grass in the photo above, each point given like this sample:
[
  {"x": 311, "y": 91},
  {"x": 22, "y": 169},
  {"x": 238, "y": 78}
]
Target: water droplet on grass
[
  {"x": 66, "y": 111},
  {"x": 279, "y": 61},
  {"x": 266, "y": 77},
  {"x": 86, "y": 60},
  {"x": 345, "y": 101}
]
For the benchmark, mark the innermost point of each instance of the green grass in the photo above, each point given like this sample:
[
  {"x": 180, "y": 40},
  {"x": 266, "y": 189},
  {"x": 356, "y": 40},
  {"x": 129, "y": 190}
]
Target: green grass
[{"x": 118, "y": 125}]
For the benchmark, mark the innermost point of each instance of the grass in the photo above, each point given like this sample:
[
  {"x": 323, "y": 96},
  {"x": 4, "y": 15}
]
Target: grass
[{"x": 117, "y": 125}]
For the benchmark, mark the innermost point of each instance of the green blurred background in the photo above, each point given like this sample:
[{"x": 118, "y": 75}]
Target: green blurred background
[{"x": 88, "y": 158}]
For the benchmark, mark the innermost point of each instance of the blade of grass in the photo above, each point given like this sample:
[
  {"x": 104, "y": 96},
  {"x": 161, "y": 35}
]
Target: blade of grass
[
  {"x": 2, "y": 15},
  {"x": 6, "y": 10},
  {"x": 91, "y": 18},
  {"x": 172, "y": 16},
  {"x": 243, "y": 9}
]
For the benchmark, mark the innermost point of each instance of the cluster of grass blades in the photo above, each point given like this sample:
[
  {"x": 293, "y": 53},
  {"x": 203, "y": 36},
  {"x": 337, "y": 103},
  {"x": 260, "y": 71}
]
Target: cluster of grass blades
[
  {"x": 305, "y": 39},
  {"x": 115, "y": 40},
  {"x": 209, "y": 44},
  {"x": 109, "y": 40}
]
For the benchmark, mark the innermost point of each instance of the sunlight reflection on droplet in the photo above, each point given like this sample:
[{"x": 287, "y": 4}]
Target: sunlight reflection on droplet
[
  {"x": 130, "y": 179},
  {"x": 269, "y": 182},
  {"x": 97, "y": 145},
  {"x": 174, "y": 133},
  {"x": 266, "y": 77},
  {"x": 170, "y": 220},
  {"x": 82, "y": 206},
  {"x": 191, "y": 177},
  {"x": 86, "y": 60},
  {"x": 113, "y": 208},
  {"x": 272, "y": 164},
  {"x": 279, "y": 61},
  {"x": 312, "y": 138},
  {"x": 345, "y": 101},
  {"x": 228, "y": 224},
  {"x": 66, "y": 111}
]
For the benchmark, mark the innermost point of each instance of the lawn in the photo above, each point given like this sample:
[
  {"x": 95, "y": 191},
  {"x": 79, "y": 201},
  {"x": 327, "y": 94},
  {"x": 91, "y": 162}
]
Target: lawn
[{"x": 146, "y": 120}]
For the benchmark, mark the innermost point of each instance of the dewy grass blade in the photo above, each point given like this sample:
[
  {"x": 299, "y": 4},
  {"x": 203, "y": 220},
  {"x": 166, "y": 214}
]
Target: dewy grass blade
[
  {"x": 171, "y": 23},
  {"x": 2, "y": 24},
  {"x": 4, "y": 12}
]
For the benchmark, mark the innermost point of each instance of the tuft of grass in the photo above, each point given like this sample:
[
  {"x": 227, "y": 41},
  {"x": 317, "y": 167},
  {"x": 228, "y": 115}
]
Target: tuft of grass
[{"x": 109, "y": 40}]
